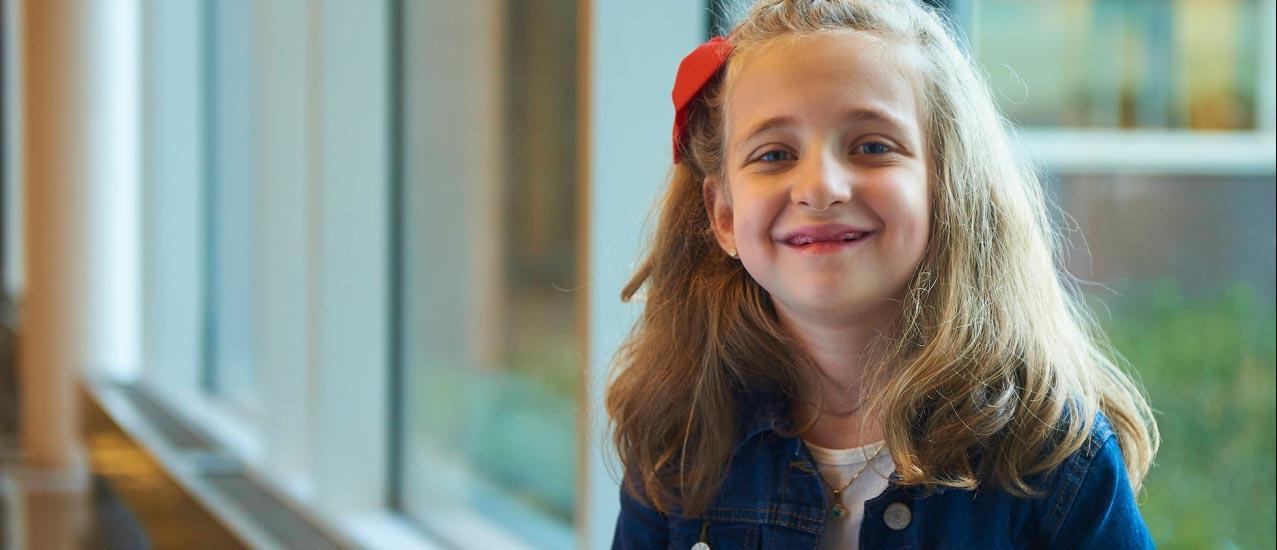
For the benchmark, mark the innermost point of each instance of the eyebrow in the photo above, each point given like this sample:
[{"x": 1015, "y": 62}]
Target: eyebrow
[
  {"x": 861, "y": 114},
  {"x": 773, "y": 122}
]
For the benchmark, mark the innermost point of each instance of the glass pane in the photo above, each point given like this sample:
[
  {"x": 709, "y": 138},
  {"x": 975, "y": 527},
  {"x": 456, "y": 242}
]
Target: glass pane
[
  {"x": 1183, "y": 268},
  {"x": 491, "y": 379},
  {"x": 1187, "y": 64},
  {"x": 229, "y": 204}
]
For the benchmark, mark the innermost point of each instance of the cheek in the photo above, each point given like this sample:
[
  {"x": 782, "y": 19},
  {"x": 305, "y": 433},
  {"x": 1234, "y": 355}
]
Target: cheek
[
  {"x": 905, "y": 207},
  {"x": 918, "y": 204},
  {"x": 754, "y": 215}
]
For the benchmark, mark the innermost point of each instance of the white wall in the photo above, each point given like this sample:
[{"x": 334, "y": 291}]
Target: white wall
[{"x": 634, "y": 49}]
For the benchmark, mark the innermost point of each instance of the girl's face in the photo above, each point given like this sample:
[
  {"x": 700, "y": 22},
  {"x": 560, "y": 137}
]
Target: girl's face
[{"x": 826, "y": 193}]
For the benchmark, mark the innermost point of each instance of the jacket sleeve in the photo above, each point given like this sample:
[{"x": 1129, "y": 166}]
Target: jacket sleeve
[
  {"x": 639, "y": 527},
  {"x": 1102, "y": 513}
]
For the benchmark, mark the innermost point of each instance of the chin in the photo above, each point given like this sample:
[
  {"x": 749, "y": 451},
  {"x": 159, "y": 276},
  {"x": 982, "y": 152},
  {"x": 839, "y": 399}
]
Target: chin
[
  {"x": 834, "y": 306},
  {"x": 821, "y": 306}
]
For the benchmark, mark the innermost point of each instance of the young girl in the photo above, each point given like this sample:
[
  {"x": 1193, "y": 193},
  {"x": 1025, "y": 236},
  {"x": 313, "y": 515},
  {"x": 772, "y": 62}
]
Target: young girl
[{"x": 856, "y": 331}]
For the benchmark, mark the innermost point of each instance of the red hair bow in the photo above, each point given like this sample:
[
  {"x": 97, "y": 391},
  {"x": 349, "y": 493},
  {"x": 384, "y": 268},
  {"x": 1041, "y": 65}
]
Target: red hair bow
[{"x": 695, "y": 70}]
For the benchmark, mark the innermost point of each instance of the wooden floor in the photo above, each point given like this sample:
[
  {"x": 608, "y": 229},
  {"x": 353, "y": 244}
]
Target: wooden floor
[
  {"x": 133, "y": 505},
  {"x": 170, "y": 518}
]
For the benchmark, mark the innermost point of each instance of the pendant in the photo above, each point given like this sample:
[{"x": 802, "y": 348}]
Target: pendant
[{"x": 838, "y": 512}]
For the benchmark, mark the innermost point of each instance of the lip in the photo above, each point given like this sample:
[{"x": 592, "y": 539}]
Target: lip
[{"x": 826, "y": 238}]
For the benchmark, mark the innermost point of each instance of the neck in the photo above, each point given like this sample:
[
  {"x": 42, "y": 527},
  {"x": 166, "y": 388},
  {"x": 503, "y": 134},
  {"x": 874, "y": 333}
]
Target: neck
[{"x": 842, "y": 353}]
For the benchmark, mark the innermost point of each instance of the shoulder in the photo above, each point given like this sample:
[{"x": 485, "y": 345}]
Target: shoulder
[
  {"x": 638, "y": 525},
  {"x": 1089, "y": 500},
  {"x": 1063, "y": 483}
]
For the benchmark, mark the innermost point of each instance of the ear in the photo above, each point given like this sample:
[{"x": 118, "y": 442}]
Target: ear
[{"x": 718, "y": 206}]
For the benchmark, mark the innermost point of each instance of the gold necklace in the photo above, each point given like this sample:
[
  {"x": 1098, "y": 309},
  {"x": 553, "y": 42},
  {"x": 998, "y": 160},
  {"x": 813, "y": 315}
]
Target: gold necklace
[{"x": 838, "y": 511}]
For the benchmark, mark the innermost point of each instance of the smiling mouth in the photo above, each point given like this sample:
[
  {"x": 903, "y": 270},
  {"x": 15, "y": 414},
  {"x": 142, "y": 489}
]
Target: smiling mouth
[
  {"x": 827, "y": 244},
  {"x": 805, "y": 240}
]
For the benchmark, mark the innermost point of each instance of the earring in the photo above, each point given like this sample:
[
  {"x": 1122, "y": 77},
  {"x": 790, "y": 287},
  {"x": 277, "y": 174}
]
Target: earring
[{"x": 732, "y": 253}]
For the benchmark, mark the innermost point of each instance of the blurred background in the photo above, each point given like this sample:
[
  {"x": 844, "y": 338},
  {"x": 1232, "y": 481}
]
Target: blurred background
[{"x": 346, "y": 273}]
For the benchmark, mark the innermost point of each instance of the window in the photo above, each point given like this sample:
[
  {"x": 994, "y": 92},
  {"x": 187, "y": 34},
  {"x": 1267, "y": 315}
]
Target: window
[
  {"x": 1154, "y": 121},
  {"x": 1186, "y": 64},
  {"x": 491, "y": 376},
  {"x": 230, "y": 195}
]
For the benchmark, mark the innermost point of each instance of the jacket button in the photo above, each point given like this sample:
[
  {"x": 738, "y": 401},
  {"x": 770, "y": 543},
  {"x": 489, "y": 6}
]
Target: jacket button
[
  {"x": 897, "y": 516},
  {"x": 700, "y": 546}
]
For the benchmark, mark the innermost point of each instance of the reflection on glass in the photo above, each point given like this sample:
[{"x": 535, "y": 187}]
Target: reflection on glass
[
  {"x": 1183, "y": 271},
  {"x": 1121, "y": 63},
  {"x": 1178, "y": 64},
  {"x": 489, "y": 336}
]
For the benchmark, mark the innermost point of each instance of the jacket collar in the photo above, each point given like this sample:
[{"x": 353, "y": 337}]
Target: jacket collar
[{"x": 760, "y": 411}]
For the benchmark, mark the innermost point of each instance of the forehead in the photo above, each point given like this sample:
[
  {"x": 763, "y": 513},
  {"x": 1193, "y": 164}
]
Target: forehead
[{"x": 808, "y": 76}]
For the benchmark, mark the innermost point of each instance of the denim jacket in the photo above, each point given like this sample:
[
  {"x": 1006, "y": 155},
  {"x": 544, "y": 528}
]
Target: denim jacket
[{"x": 773, "y": 498}]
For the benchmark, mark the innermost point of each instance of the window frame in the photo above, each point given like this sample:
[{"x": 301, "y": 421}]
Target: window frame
[
  {"x": 318, "y": 455},
  {"x": 320, "y": 103},
  {"x": 1155, "y": 151}
]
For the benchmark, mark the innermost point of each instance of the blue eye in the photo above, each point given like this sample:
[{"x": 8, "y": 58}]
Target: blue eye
[
  {"x": 776, "y": 155},
  {"x": 874, "y": 148}
]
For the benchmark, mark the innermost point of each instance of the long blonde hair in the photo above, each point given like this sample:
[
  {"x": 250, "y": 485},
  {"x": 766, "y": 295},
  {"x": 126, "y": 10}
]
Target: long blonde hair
[{"x": 994, "y": 350}]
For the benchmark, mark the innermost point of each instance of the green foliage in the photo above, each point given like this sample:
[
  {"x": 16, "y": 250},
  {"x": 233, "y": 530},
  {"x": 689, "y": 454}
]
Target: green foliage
[
  {"x": 515, "y": 426},
  {"x": 1208, "y": 366},
  {"x": 1207, "y": 363}
]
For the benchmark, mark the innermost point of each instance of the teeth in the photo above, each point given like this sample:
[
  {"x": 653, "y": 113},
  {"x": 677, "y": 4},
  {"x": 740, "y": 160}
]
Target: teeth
[{"x": 805, "y": 240}]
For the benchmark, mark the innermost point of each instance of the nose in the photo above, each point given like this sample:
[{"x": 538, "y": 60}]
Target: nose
[{"x": 822, "y": 183}]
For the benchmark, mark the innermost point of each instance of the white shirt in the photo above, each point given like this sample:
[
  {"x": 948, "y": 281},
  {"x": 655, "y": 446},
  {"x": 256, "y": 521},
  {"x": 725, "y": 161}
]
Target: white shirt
[{"x": 838, "y": 466}]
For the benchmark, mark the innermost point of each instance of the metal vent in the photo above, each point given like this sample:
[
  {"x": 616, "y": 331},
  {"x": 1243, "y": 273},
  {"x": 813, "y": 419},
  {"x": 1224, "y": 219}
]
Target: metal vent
[
  {"x": 226, "y": 475},
  {"x": 271, "y": 515},
  {"x": 174, "y": 431}
]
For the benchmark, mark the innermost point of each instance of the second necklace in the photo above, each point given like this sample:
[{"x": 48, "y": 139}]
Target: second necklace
[{"x": 838, "y": 511}]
